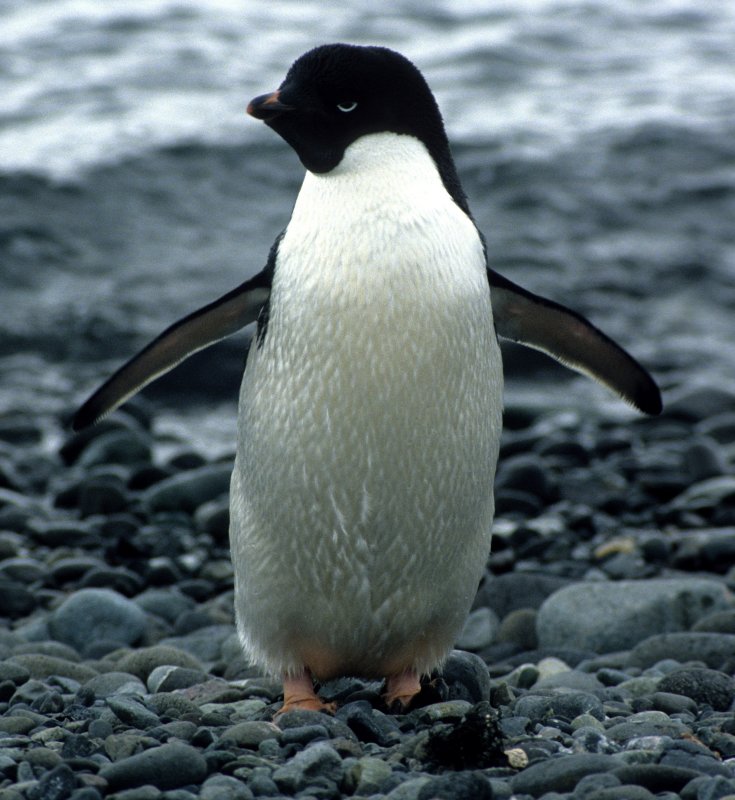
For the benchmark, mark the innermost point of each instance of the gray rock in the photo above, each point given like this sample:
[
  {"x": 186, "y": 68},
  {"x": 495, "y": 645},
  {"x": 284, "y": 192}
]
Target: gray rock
[
  {"x": 203, "y": 643},
  {"x": 144, "y": 660},
  {"x": 514, "y": 590},
  {"x": 122, "y": 446},
  {"x": 56, "y": 784},
  {"x": 645, "y": 723},
  {"x": 318, "y": 761},
  {"x": 519, "y": 628},
  {"x": 718, "y": 622},
  {"x": 131, "y": 711},
  {"x": 189, "y": 490},
  {"x": 479, "y": 630},
  {"x": 561, "y": 774},
  {"x": 92, "y": 614},
  {"x": 166, "y": 767},
  {"x": 115, "y": 683},
  {"x": 41, "y": 666},
  {"x": 168, "y": 604},
  {"x": 224, "y": 787},
  {"x": 714, "y": 649},
  {"x": 701, "y": 685},
  {"x": 168, "y": 678},
  {"x": 369, "y": 774},
  {"x": 607, "y": 616},
  {"x": 467, "y": 676},
  {"x": 457, "y": 786},
  {"x": 250, "y": 733},
  {"x": 567, "y": 706},
  {"x": 408, "y": 790}
]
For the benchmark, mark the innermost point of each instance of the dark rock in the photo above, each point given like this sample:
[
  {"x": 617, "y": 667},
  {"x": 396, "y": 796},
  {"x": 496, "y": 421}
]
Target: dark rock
[
  {"x": 188, "y": 490},
  {"x": 132, "y": 712},
  {"x": 560, "y": 774},
  {"x": 566, "y": 706},
  {"x": 104, "y": 494},
  {"x": 717, "y": 622},
  {"x": 91, "y": 614},
  {"x": 655, "y": 777},
  {"x": 249, "y": 733},
  {"x": 122, "y": 446},
  {"x": 56, "y": 784},
  {"x": 457, "y": 787},
  {"x": 476, "y": 742},
  {"x": 168, "y": 678},
  {"x": 466, "y": 676},
  {"x": 15, "y": 599},
  {"x": 318, "y": 762},
  {"x": 712, "y": 648},
  {"x": 506, "y": 593},
  {"x": 41, "y": 666},
  {"x": 701, "y": 685},
  {"x": 224, "y": 787},
  {"x": 370, "y": 725},
  {"x": 144, "y": 660},
  {"x": 519, "y": 628},
  {"x": 168, "y": 766}
]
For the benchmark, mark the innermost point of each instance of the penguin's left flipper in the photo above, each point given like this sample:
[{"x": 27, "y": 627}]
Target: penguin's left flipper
[
  {"x": 198, "y": 330},
  {"x": 568, "y": 337}
]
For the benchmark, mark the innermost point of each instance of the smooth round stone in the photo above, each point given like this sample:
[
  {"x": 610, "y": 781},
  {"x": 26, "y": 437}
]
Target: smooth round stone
[
  {"x": 718, "y": 622},
  {"x": 655, "y": 777},
  {"x": 169, "y": 604},
  {"x": 606, "y": 616},
  {"x": 131, "y": 711},
  {"x": 91, "y": 614},
  {"x": 714, "y": 649},
  {"x": 706, "y": 686},
  {"x": 104, "y": 494},
  {"x": 250, "y": 733},
  {"x": 645, "y": 723},
  {"x": 123, "y": 446},
  {"x": 567, "y": 706},
  {"x": 456, "y": 787},
  {"x": 224, "y": 787},
  {"x": 166, "y": 767},
  {"x": 561, "y": 774},
  {"x": 144, "y": 660},
  {"x": 188, "y": 490},
  {"x": 369, "y": 774},
  {"x": 519, "y": 628},
  {"x": 320, "y": 760},
  {"x": 41, "y": 666},
  {"x": 467, "y": 677},
  {"x": 479, "y": 630},
  {"x": 511, "y": 591},
  {"x": 109, "y": 684},
  {"x": 204, "y": 643},
  {"x": 25, "y": 570},
  {"x": 15, "y": 599},
  {"x": 168, "y": 678}
]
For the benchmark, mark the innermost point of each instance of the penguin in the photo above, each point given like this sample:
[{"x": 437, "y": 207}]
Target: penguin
[{"x": 370, "y": 410}]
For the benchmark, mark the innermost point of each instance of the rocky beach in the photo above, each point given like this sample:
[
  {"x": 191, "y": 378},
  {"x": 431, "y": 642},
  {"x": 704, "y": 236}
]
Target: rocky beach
[{"x": 596, "y": 145}]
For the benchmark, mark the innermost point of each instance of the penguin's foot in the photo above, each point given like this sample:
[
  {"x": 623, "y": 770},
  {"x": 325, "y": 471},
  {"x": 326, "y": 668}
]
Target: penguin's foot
[
  {"x": 400, "y": 689},
  {"x": 299, "y": 694}
]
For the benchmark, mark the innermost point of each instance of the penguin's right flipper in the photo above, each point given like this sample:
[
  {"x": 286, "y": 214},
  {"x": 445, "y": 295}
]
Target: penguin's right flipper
[
  {"x": 198, "y": 330},
  {"x": 571, "y": 339}
]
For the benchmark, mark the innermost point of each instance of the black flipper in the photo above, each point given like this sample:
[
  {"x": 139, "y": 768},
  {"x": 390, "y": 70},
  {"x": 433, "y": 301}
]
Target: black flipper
[
  {"x": 568, "y": 337},
  {"x": 198, "y": 330}
]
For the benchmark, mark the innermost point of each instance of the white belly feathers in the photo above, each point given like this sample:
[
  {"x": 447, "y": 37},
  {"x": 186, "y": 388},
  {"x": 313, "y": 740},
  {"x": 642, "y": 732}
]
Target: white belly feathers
[{"x": 369, "y": 425}]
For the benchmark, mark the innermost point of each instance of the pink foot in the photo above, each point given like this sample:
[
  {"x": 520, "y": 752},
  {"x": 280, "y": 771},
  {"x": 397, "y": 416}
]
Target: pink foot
[
  {"x": 402, "y": 688},
  {"x": 299, "y": 694}
]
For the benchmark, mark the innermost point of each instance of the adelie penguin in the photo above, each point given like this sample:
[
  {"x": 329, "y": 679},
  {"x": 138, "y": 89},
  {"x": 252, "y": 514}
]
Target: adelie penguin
[{"x": 370, "y": 408}]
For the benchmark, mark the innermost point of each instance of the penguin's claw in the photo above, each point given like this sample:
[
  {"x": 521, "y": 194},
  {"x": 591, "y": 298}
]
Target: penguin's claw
[
  {"x": 299, "y": 695},
  {"x": 401, "y": 689}
]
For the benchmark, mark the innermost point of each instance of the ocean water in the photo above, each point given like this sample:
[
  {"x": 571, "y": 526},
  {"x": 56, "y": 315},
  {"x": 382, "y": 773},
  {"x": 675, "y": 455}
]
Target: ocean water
[{"x": 596, "y": 142}]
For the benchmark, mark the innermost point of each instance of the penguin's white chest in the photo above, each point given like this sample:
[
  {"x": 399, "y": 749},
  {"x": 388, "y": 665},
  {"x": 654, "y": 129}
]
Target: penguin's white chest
[{"x": 369, "y": 424}]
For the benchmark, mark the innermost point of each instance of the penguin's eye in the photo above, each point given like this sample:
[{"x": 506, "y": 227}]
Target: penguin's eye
[{"x": 347, "y": 107}]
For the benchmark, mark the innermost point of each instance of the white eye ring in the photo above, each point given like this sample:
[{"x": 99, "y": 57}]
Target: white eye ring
[{"x": 347, "y": 107}]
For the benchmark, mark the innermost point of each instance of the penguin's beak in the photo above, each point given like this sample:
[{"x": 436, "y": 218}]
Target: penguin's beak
[{"x": 267, "y": 106}]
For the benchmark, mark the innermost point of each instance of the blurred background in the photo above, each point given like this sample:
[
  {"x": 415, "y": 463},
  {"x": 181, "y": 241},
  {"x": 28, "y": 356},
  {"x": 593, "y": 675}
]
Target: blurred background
[{"x": 595, "y": 139}]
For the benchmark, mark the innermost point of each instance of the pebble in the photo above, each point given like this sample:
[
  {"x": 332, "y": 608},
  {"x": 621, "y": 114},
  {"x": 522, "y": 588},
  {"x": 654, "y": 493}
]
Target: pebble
[
  {"x": 702, "y": 686},
  {"x": 712, "y": 648}
]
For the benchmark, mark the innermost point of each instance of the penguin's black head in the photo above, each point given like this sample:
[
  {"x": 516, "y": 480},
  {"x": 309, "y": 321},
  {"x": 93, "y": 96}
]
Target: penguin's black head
[{"x": 336, "y": 93}]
